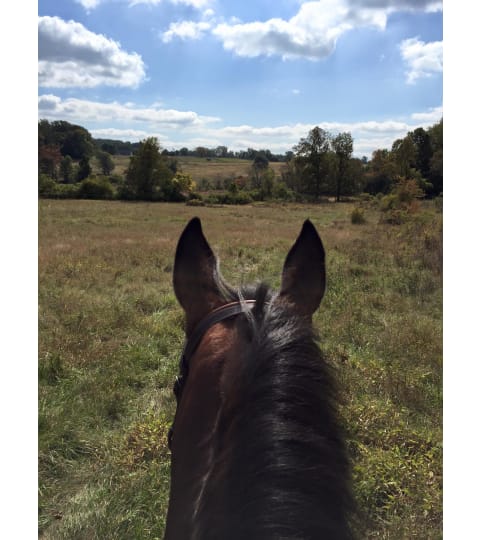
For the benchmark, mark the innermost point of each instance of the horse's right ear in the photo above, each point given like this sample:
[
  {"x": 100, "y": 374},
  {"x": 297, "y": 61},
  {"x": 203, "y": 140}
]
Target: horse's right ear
[
  {"x": 196, "y": 278},
  {"x": 303, "y": 278}
]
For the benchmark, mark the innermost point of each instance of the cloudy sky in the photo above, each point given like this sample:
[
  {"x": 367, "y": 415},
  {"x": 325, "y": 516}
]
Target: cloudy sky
[{"x": 255, "y": 73}]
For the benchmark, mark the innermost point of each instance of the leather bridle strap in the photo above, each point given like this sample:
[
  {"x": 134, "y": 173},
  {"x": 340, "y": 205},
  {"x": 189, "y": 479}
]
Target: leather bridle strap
[{"x": 217, "y": 315}]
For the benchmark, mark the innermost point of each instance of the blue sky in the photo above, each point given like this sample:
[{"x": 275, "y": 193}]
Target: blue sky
[{"x": 255, "y": 74}]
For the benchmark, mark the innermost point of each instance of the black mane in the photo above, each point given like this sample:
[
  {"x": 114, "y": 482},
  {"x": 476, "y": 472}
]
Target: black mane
[{"x": 279, "y": 468}]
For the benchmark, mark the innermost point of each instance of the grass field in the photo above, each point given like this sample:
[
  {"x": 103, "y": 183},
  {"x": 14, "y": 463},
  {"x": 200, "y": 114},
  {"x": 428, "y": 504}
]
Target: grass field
[
  {"x": 110, "y": 333},
  {"x": 212, "y": 169}
]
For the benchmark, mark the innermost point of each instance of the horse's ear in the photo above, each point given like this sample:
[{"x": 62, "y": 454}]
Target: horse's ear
[
  {"x": 196, "y": 279},
  {"x": 303, "y": 278}
]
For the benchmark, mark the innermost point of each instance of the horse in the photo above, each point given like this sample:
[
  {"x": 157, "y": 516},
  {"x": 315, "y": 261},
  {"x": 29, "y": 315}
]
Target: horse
[{"x": 257, "y": 451}]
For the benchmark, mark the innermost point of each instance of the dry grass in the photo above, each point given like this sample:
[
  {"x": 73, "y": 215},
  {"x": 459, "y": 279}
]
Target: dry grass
[
  {"x": 209, "y": 168},
  {"x": 111, "y": 331}
]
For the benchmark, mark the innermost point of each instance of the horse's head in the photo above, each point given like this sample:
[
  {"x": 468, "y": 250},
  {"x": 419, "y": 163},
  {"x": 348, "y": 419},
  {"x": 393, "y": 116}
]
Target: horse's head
[
  {"x": 200, "y": 288},
  {"x": 219, "y": 332}
]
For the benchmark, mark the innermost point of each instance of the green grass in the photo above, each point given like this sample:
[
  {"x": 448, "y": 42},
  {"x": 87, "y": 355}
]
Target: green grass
[{"x": 110, "y": 332}]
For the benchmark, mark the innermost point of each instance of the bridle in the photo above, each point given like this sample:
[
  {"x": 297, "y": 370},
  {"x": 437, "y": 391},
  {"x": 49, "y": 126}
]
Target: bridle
[{"x": 217, "y": 315}]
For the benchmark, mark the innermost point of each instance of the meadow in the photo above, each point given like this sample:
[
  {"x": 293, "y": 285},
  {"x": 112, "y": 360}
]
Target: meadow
[
  {"x": 111, "y": 331},
  {"x": 213, "y": 169}
]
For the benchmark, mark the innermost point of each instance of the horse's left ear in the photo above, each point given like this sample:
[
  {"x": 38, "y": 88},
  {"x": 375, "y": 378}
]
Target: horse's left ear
[
  {"x": 303, "y": 278},
  {"x": 196, "y": 279}
]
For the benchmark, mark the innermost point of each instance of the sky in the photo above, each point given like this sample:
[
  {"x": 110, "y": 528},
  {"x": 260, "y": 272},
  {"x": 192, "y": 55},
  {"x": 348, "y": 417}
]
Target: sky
[{"x": 256, "y": 73}]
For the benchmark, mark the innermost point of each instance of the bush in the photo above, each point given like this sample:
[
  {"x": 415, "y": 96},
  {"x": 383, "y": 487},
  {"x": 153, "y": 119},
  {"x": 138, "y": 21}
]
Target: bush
[
  {"x": 46, "y": 185},
  {"x": 195, "y": 202},
  {"x": 238, "y": 198},
  {"x": 50, "y": 189},
  {"x": 96, "y": 188},
  {"x": 282, "y": 192},
  {"x": 388, "y": 202},
  {"x": 358, "y": 216},
  {"x": 241, "y": 197},
  {"x": 402, "y": 201}
]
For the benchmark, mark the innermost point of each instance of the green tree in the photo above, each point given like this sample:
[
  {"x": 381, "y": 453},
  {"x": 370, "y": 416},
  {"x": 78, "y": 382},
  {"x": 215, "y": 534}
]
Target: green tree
[
  {"x": 84, "y": 170},
  {"x": 67, "y": 169},
  {"x": 106, "y": 162},
  {"x": 381, "y": 172},
  {"x": 423, "y": 151},
  {"x": 77, "y": 143},
  {"x": 221, "y": 151},
  {"x": 267, "y": 183},
  {"x": 342, "y": 145},
  {"x": 404, "y": 154},
  {"x": 148, "y": 176},
  {"x": 312, "y": 162},
  {"x": 436, "y": 161},
  {"x": 259, "y": 166}
]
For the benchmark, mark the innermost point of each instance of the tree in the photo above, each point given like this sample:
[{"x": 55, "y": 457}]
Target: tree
[
  {"x": 381, "y": 173},
  {"x": 259, "y": 165},
  {"x": 221, "y": 151},
  {"x": 423, "y": 151},
  {"x": 183, "y": 183},
  {"x": 436, "y": 161},
  {"x": 312, "y": 161},
  {"x": 49, "y": 157},
  {"x": 267, "y": 183},
  {"x": 84, "y": 170},
  {"x": 66, "y": 169},
  {"x": 77, "y": 143},
  {"x": 106, "y": 162},
  {"x": 148, "y": 176},
  {"x": 342, "y": 145},
  {"x": 202, "y": 151},
  {"x": 403, "y": 151}
]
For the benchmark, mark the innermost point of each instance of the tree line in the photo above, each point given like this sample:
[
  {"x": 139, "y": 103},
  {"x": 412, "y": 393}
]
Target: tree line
[{"x": 320, "y": 165}]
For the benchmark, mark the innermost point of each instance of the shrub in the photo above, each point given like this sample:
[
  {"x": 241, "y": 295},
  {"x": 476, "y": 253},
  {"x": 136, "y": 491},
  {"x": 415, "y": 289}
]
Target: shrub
[
  {"x": 96, "y": 188},
  {"x": 241, "y": 197},
  {"x": 46, "y": 185},
  {"x": 66, "y": 191},
  {"x": 50, "y": 189},
  {"x": 403, "y": 200},
  {"x": 358, "y": 216},
  {"x": 282, "y": 192},
  {"x": 195, "y": 202}
]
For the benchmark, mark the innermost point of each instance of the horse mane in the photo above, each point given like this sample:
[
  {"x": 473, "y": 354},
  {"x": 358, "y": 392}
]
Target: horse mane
[{"x": 279, "y": 467}]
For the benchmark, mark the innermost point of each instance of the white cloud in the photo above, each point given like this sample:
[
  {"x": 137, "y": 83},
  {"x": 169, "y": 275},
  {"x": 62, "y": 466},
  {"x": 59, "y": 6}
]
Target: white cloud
[
  {"x": 423, "y": 59},
  {"x": 398, "y": 5},
  {"x": 176, "y": 129},
  {"x": 132, "y": 135},
  {"x": 313, "y": 32},
  {"x": 185, "y": 30},
  {"x": 88, "y": 4},
  {"x": 72, "y": 56},
  {"x": 431, "y": 116},
  {"x": 79, "y": 110},
  {"x": 199, "y": 4}
]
